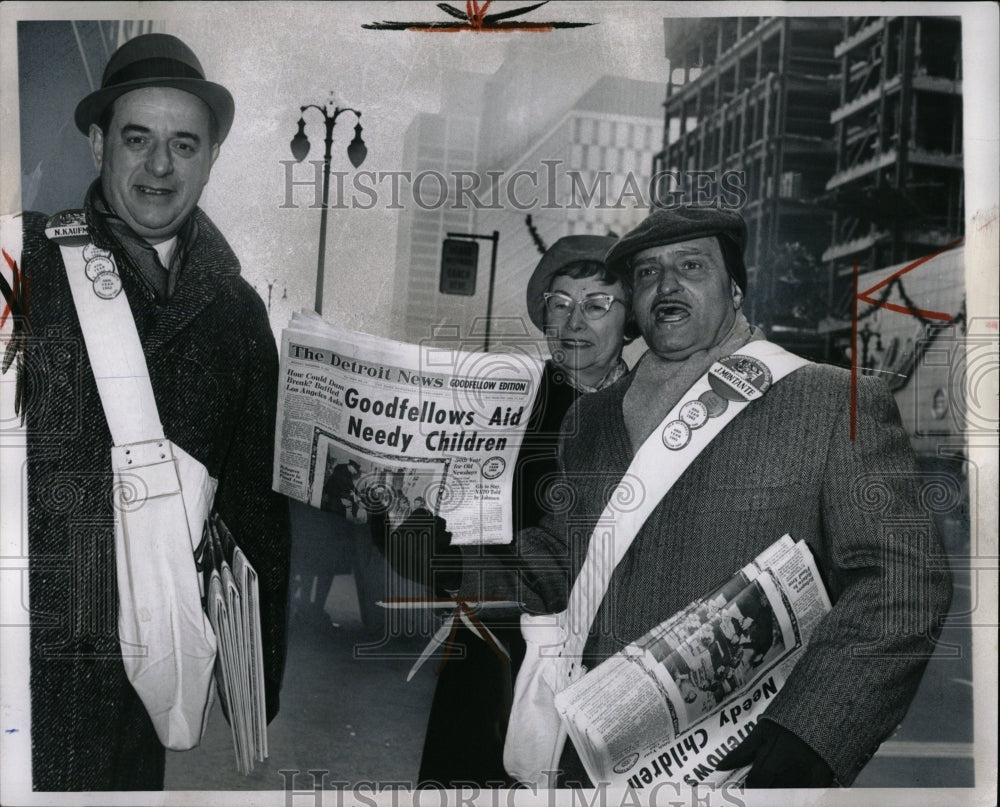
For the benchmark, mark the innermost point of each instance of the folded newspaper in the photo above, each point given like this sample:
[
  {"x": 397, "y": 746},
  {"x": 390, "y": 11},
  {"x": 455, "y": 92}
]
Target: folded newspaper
[
  {"x": 233, "y": 608},
  {"x": 670, "y": 705},
  {"x": 364, "y": 420}
]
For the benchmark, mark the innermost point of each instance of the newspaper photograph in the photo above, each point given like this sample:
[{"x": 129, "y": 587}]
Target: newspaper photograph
[
  {"x": 685, "y": 623},
  {"x": 364, "y": 420},
  {"x": 670, "y": 705}
]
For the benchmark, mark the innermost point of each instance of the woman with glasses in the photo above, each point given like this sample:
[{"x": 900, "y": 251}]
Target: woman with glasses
[{"x": 584, "y": 313}]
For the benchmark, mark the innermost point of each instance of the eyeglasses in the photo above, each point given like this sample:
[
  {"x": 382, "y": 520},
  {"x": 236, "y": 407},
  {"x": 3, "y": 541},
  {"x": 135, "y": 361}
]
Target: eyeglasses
[{"x": 593, "y": 306}]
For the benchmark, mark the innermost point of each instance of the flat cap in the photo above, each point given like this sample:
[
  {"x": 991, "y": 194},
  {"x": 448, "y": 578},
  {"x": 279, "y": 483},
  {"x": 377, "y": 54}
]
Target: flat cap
[
  {"x": 672, "y": 225},
  {"x": 565, "y": 251}
]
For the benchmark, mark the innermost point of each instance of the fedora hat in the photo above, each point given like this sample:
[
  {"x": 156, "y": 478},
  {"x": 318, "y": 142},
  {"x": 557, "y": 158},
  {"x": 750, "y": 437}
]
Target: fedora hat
[
  {"x": 155, "y": 60},
  {"x": 566, "y": 250}
]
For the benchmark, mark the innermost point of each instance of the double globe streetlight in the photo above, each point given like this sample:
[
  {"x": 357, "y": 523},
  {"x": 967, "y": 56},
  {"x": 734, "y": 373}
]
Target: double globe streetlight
[{"x": 356, "y": 153}]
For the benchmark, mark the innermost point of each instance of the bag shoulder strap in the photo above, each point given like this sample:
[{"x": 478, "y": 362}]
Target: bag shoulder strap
[
  {"x": 711, "y": 403},
  {"x": 109, "y": 332}
]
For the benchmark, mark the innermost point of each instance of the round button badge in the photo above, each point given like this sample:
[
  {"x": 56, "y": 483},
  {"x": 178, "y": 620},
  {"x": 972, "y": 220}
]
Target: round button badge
[
  {"x": 676, "y": 435},
  {"x": 93, "y": 251},
  {"x": 715, "y": 404},
  {"x": 108, "y": 285},
  {"x": 98, "y": 265},
  {"x": 739, "y": 378},
  {"x": 694, "y": 413}
]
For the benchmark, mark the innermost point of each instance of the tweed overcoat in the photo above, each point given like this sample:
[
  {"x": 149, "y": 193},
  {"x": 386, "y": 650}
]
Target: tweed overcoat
[
  {"x": 786, "y": 464},
  {"x": 213, "y": 366}
]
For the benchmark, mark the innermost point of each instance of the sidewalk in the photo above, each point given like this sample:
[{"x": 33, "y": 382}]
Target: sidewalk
[
  {"x": 347, "y": 708},
  {"x": 357, "y": 718}
]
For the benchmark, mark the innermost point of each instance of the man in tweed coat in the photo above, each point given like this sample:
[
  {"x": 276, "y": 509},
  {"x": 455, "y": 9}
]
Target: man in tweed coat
[
  {"x": 155, "y": 127},
  {"x": 787, "y": 464}
]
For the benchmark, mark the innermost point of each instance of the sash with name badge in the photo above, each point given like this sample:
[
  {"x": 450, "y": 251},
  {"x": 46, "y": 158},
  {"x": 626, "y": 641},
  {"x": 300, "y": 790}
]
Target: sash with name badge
[
  {"x": 163, "y": 525},
  {"x": 537, "y": 733}
]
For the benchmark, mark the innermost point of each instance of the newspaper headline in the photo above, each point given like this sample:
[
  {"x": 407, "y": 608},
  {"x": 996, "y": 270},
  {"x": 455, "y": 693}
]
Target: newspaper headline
[{"x": 363, "y": 419}]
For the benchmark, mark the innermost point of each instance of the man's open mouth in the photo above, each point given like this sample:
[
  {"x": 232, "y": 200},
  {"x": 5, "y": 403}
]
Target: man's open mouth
[
  {"x": 145, "y": 189},
  {"x": 670, "y": 311}
]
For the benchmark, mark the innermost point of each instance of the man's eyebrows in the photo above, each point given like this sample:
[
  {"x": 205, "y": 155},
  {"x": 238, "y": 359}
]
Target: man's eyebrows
[
  {"x": 138, "y": 128},
  {"x": 679, "y": 252}
]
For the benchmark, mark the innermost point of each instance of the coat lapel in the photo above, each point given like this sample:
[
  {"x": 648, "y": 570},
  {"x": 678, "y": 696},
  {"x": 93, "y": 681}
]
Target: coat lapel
[{"x": 209, "y": 263}]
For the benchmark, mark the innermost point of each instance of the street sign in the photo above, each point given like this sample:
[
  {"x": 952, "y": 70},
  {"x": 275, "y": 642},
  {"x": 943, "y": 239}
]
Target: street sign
[{"x": 459, "y": 265}]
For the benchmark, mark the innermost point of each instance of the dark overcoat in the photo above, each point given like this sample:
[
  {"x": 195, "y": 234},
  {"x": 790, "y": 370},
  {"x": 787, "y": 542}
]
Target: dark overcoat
[
  {"x": 213, "y": 366},
  {"x": 467, "y": 725}
]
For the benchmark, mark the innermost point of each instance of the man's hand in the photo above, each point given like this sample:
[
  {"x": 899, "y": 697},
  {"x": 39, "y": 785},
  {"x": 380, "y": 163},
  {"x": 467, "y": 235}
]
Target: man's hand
[
  {"x": 420, "y": 549},
  {"x": 779, "y": 758},
  {"x": 446, "y": 560}
]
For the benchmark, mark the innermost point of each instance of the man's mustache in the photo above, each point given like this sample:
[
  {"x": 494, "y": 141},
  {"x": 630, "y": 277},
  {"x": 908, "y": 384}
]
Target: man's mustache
[{"x": 669, "y": 302}]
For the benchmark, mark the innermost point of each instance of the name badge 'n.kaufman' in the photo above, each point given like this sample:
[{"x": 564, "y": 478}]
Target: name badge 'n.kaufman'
[
  {"x": 736, "y": 378},
  {"x": 69, "y": 229}
]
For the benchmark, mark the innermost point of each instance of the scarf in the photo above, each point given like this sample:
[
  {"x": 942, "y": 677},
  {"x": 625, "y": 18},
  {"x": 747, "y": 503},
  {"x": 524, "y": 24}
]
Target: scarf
[
  {"x": 657, "y": 385},
  {"x": 107, "y": 227},
  {"x": 619, "y": 370}
]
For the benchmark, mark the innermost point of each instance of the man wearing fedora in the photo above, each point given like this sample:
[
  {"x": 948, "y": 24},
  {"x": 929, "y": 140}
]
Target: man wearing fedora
[
  {"x": 790, "y": 462},
  {"x": 155, "y": 126}
]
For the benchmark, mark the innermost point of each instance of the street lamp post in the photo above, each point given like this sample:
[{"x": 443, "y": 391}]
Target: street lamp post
[
  {"x": 356, "y": 153},
  {"x": 495, "y": 238}
]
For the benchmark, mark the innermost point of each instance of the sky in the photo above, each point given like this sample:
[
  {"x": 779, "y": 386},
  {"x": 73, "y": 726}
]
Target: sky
[{"x": 280, "y": 56}]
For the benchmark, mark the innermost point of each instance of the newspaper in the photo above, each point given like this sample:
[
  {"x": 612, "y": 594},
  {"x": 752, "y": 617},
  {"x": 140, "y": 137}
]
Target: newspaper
[
  {"x": 232, "y": 602},
  {"x": 669, "y": 706},
  {"x": 364, "y": 420}
]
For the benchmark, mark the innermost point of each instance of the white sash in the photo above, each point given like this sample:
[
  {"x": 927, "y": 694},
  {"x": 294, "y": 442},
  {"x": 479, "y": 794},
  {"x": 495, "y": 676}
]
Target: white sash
[
  {"x": 162, "y": 498},
  {"x": 115, "y": 354},
  {"x": 536, "y": 733}
]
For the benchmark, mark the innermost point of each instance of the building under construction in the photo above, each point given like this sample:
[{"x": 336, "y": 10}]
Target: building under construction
[
  {"x": 754, "y": 95},
  {"x": 848, "y": 133},
  {"x": 897, "y": 188}
]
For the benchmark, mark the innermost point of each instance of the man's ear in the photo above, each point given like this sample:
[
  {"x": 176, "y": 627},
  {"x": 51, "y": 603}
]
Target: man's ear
[
  {"x": 97, "y": 144},
  {"x": 737, "y": 294},
  {"x": 215, "y": 155}
]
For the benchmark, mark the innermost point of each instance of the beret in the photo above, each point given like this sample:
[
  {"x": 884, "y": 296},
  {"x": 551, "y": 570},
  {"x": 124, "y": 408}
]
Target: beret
[
  {"x": 671, "y": 225},
  {"x": 564, "y": 251}
]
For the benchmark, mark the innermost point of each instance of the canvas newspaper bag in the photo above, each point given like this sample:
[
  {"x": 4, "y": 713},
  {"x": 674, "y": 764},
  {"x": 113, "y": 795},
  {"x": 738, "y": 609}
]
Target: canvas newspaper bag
[
  {"x": 162, "y": 500},
  {"x": 536, "y": 732}
]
